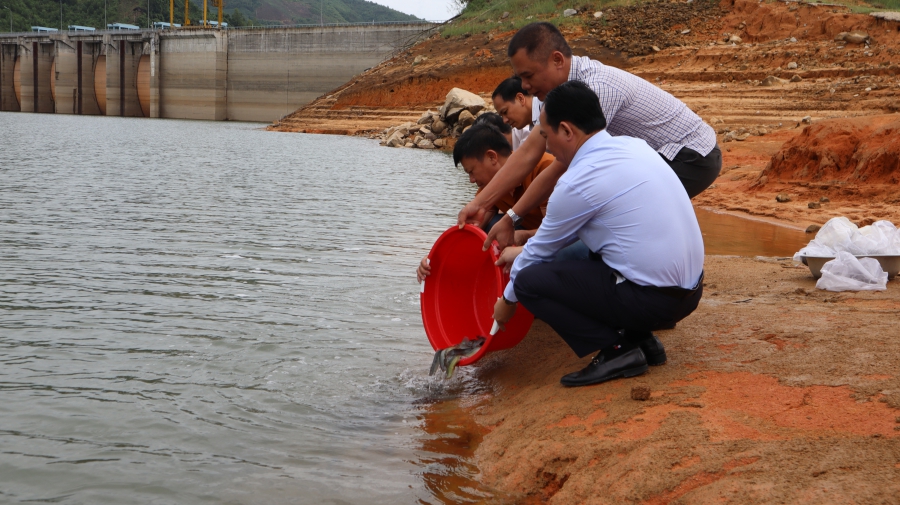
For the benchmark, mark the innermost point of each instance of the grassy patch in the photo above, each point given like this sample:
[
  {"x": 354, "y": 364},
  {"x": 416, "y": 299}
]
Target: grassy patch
[{"x": 482, "y": 16}]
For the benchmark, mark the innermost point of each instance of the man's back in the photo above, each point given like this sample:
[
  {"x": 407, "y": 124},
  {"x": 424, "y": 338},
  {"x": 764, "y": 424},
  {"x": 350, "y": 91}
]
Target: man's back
[
  {"x": 634, "y": 107},
  {"x": 633, "y": 212}
]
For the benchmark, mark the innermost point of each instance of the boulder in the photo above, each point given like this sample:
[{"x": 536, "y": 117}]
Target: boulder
[
  {"x": 395, "y": 140},
  {"x": 465, "y": 119},
  {"x": 420, "y": 59},
  {"x": 505, "y": 15},
  {"x": 796, "y": 78},
  {"x": 856, "y": 37},
  {"x": 569, "y": 13},
  {"x": 459, "y": 99},
  {"x": 782, "y": 198},
  {"x": 598, "y": 14},
  {"x": 792, "y": 65},
  {"x": 773, "y": 81},
  {"x": 734, "y": 39},
  {"x": 409, "y": 144},
  {"x": 814, "y": 205},
  {"x": 438, "y": 127},
  {"x": 426, "y": 118},
  {"x": 425, "y": 144},
  {"x": 440, "y": 143},
  {"x": 806, "y": 120},
  {"x": 813, "y": 228}
]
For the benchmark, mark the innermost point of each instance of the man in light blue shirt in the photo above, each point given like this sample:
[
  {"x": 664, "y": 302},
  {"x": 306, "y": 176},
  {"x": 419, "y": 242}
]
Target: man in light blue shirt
[{"x": 619, "y": 197}]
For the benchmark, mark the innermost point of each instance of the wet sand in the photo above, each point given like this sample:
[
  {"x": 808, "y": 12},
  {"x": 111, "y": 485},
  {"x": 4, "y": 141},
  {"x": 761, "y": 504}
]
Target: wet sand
[{"x": 774, "y": 392}]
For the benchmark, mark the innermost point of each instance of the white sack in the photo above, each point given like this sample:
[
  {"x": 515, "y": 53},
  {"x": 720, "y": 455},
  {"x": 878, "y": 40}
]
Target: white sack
[
  {"x": 840, "y": 234},
  {"x": 847, "y": 273}
]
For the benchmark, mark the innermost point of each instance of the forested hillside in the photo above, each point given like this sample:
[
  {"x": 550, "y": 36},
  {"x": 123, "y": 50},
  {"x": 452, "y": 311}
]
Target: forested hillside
[{"x": 96, "y": 13}]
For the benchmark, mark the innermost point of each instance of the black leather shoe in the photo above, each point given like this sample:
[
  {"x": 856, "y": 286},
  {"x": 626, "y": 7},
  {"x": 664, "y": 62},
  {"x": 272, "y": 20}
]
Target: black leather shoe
[
  {"x": 654, "y": 351},
  {"x": 628, "y": 364}
]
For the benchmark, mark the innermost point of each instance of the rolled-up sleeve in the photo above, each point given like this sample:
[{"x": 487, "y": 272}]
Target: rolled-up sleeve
[{"x": 567, "y": 212}]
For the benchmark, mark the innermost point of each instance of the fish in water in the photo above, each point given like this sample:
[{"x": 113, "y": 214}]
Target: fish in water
[{"x": 447, "y": 359}]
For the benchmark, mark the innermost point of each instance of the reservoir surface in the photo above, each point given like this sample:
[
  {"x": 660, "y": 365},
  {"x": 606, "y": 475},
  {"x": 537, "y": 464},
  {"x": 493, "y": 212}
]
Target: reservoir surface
[{"x": 205, "y": 312}]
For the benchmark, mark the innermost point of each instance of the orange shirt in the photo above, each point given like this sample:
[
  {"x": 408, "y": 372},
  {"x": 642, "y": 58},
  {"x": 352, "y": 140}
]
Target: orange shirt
[{"x": 532, "y": 220}]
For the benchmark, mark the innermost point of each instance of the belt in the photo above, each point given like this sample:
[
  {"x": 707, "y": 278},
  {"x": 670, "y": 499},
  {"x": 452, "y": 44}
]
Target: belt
[{"x": 678, "y": 292}]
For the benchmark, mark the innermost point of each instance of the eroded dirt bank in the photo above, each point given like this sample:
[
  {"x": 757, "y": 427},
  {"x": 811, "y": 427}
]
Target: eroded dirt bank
[
  {"x": 774, "y": 393},
  {"x": 719, "y": 80}
]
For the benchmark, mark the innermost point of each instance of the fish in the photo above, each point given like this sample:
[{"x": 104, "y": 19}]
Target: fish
[
  {"x": 447, "y": 359},
  {"x": 452, "y": 366}
]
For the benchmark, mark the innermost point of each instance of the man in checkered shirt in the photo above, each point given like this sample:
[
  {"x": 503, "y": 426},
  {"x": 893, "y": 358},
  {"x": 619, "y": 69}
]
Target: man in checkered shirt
[{"x": 542, "y": 58}]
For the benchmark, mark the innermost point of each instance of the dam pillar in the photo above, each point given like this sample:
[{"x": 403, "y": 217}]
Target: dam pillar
[
  {"x": 8, "y": 55},
  {"x": 153, "y": 81},
  {"x": 34, "y": 71},
  {"x": 193, "y": 72},
  {"x": 65, "y": 76},
  {"x": 122, "y": 60}
]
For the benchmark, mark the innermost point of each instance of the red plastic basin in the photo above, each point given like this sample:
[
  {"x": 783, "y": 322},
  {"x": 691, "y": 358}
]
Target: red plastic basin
[{"x": 458, "y": 298}]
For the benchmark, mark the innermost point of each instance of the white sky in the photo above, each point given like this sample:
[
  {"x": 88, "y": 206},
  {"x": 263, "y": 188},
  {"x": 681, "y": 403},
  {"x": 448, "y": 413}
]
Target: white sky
[{"x": 432, "y": 10}]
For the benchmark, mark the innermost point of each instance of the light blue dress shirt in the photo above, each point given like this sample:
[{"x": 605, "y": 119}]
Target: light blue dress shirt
[{"x": 625, "y": 203}]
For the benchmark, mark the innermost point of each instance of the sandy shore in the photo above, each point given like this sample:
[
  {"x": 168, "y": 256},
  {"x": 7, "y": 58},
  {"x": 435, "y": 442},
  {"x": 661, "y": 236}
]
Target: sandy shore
[{"x": 774, "y": 392}]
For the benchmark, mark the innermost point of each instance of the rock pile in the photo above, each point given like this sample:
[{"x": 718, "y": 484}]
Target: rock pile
[{"x": 435, "y": 129}]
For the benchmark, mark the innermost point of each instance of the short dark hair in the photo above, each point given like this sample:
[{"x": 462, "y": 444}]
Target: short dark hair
[
  {"x": 539, "y": 40},
  {"x": 494, "y": 119},
  {"x": 574, "y": 102},
  {"x": 509, "y": 88},
  {"x": 477, "y": 140}
]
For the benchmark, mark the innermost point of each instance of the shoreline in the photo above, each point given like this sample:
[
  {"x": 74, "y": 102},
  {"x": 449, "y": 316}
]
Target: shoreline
[
  {"x": 766, "y": 397},
  {"x": 774, "y": 391}
]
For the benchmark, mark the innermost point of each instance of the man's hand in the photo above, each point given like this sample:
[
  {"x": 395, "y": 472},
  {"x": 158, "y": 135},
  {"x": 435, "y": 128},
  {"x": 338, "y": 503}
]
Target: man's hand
[
  {"x": 503, "y": 312},
  {"x": 472, "y": 213},
  {"x": 503, "y": 232},
  {"x": 424, "y": 270},
  {"x": 507, "y": 257},
  {"x": 522, "y": 236}
]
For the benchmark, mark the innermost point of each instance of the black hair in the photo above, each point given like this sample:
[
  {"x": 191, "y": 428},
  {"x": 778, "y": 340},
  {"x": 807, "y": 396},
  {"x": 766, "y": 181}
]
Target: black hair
[
  {"x": 539, "y": 40},
  {"x": 575, "y": 103},
  {"x": 494, "y": 119},
  {"x": 477, "y": 140},
  {"x": 509, "y": 88}
]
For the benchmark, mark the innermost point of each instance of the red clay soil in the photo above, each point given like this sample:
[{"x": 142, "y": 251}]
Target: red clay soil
[
  {"x": 858, "y": 150},
  {"x": 774, "y": 393}
]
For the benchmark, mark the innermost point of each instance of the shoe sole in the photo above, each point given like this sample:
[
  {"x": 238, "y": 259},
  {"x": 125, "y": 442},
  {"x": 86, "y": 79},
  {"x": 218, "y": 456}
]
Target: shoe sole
[{"x": 624, "y": 374}]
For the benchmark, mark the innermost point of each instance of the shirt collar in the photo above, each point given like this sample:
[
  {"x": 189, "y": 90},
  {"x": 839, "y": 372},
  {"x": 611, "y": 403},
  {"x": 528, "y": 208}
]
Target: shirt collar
[{"x": 574, "y": 67}]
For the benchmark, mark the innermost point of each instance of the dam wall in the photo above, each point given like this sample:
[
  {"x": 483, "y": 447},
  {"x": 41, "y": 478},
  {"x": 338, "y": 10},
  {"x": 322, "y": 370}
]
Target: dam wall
[{"x": 235, "y": 74}]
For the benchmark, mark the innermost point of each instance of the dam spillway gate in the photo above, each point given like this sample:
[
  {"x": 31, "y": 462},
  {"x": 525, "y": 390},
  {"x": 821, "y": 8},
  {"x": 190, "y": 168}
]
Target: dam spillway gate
[{"x": 234, "y": 74}]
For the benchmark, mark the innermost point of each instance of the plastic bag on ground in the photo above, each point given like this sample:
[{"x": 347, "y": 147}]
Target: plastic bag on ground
[
  {"x": 849, "y": 273},
  {"x": 840, "y": 234}
]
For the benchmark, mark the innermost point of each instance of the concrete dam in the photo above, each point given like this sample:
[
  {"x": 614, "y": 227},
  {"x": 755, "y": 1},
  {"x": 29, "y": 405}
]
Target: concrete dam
[{"x": 256, "y": 74}]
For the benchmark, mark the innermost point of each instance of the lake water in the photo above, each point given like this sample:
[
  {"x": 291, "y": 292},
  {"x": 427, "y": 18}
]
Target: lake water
[{"x": 204, "y": 312}]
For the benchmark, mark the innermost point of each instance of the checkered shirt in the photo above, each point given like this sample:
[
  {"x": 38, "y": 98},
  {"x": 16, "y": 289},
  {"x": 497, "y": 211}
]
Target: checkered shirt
[{"x": 636, "y": 108}]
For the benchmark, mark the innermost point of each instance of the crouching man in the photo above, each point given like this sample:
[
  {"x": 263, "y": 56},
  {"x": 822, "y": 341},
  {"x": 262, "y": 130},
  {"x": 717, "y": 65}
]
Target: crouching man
[{"x": 646, "y": 267}]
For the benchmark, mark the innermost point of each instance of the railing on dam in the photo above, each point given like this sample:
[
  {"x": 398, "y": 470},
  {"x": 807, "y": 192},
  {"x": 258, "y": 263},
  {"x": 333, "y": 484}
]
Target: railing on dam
[{"x": 425, "y": 24}]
